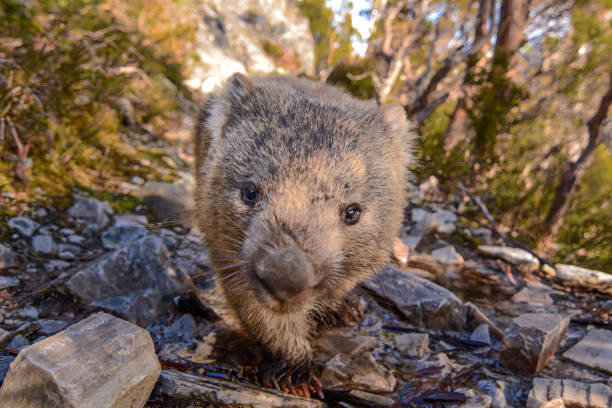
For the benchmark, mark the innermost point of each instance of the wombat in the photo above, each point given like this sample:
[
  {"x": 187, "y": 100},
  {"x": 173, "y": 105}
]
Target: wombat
[{"x": 300, "y": 190}]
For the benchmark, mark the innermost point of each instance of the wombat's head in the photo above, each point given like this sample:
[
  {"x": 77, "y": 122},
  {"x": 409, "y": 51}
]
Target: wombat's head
[{"x": 300, "y": 192}]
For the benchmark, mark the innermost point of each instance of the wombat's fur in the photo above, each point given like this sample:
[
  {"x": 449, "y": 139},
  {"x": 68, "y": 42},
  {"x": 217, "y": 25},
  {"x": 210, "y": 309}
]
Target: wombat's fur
[{"x": 300, "y": 190}]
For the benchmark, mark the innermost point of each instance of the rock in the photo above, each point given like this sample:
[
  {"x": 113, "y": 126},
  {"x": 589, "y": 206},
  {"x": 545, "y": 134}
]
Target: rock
[
  {"x": 551, "y": 393},
  {"x": 136, "y": 281},
  {"x": 534, "y": 293},
  {"x": 440, "y": 220},
  {"x": 371, "y": 400},
  {"x": 447, "y": 255},
  {"x": 183, "y": 328},
  {"x": 212, "y": 391},
  {"x": 360, "y": 371},
  {"x": 345, "y": 341},
  {"x": 485, "y": 234},
  {"x": 24, "y": 225},
  {"x": 4, "y": 336},
  {"x": 594, "y": 351},
  {"x": 430, "y": 185},
  {"x": 101, "y": 361},
  {"x": 532, "y": 340},
  {"x": 91, "y": 210},
  {"x": 474, "y": 400},
  {"x": 50, "y": 327},
  {"x": 422, "y": 302},
  {"x": 515, "y": 256},
  {"x": 120, "y": 235},
  {"x": 18, "y": 342},
  {"x": 76, "y": 239},
  {"x": 481, "y": 334},
  {"x": 495, "y": 390},
  {"x": 44, "y": 244},
  {"x": 130, "y": 219},
  {"x": 412, "y": 344},
  {"x": 29, "y": 311},
  {"x": 5, "y": 362},
  {"x": 577, "y": 276},
  {"x": 171, "y": 202},
  {"x": 8, "y": 282},
  {"x": 8, "y": 258}
]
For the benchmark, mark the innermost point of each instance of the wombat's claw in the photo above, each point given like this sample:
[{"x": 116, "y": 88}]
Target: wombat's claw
[{"x": 309, "y": 383}]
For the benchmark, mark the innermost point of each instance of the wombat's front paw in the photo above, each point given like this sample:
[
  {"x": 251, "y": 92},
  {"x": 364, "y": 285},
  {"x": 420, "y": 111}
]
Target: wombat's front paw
[{"x": 294, "y": 378}]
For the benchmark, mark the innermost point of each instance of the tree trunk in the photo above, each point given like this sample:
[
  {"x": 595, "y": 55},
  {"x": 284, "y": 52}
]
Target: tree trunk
[{"x": 571, "y": 178}]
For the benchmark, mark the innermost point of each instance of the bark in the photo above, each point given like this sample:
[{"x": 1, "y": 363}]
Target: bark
[{"x": 572, "y": 176}]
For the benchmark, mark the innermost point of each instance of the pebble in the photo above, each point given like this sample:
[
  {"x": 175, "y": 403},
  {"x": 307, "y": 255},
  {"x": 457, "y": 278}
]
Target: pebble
[
  {"x": 44, "y": 244},
  {"x": 76, "y": 239},
  {"x": 532, "y": 341},
  {"x": 447, "y": 255},
  {"x": 8, "y": 282},
  {"x": 50, "y": 327},
  {"x": 359, "y": 371},
  {"x": 95, "y": 212},
  {"x": 18, "y": 342},
  {"x": 29, "y": 311},
  {"x": 8, "y": 258},
  {"x": 4, "y": 336},
  {"x": 116, "y": 367},
  {"x": 24, "y": 225},
  {"x": 412, "y": 344}
]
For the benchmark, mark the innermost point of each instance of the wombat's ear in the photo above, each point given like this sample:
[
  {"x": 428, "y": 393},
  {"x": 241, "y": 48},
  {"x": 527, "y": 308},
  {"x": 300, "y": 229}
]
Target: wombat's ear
[{"x": 238, "y": 86}]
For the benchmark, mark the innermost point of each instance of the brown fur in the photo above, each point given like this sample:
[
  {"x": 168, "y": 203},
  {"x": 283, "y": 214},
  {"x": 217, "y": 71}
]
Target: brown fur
[{"x": 312, "y": 150}]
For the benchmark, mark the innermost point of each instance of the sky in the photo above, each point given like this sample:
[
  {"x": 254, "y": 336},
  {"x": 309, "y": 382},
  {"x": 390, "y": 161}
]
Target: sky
[{"x": 361, "y": 23}]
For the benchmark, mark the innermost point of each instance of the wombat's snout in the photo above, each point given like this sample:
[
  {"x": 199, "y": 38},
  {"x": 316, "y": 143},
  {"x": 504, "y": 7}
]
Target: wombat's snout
[{"x": 286, "y": 272}]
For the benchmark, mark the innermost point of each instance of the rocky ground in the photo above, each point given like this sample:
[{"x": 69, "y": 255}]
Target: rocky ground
[{"x": 459, "y": 319}]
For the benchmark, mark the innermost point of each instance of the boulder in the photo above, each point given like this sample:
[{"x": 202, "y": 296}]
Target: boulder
[
  {"x": 594, "y": 351},
  {"x": 101, "y": 361},
  {"x": 136, "y": 281},
  {"x": 532, "y": 340},
  {"x": 422, "y": 302},
  {"x": 552, "y": 393}
]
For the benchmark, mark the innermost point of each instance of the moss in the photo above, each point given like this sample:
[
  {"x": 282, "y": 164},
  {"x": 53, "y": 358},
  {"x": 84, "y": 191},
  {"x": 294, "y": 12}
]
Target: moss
[{"x": 273, "y": 49}]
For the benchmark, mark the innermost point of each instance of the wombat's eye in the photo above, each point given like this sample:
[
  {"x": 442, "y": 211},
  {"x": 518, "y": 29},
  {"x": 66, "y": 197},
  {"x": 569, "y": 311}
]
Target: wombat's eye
[
  {"x": 352, "y": 214},
  {"x": 248, "y": 192}
]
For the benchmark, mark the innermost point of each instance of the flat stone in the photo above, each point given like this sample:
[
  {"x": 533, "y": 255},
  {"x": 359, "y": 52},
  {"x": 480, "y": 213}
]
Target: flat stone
[
  {"x": 4, "y": 336},
  {"x": 50, "y": 327},
  {"x": 594, "y": 351},
  {"x": 18, "y": 342},
  {"x": 215, "y": 392},
  {"x": 534, "y": 294},
  {"x": 370, "y": 399},
  {"x": 515, "y": 256},
  {"x": 552, "y": 393},
  {"x": 345, "y": 341},
  {"x": 412, "y": 344},
  {"x": 5, "y": 362},
  {"x": 121, "y": 235},
  {"x": 447, "y": 255},
  {"x": 532, "y": 340},
  {"x": 91, "y": 211},
  {"x": 423, "y": 303},
  {"x": 136, "y": 281},
  {"x": 481, "y": 334},
  {"x": 359, "y": 371},
  {"x": 44, "y": 244},
  {"x": 8, "y": 282},
  {"x": 8, "y": 258},
  {"x": 577, "y": 276},
  {"x": 101, "y": 361},
  {"x": 24, "y": 225}
]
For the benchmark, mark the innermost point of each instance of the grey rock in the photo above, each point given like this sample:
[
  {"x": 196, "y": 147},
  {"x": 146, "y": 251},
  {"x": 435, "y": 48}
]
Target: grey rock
[
  {"x": 5, "y": 362},
  {"x": 24, "y": 225},
  {"x": 8, "y": 282},
  {"x": 594, "y": 351},
  {"x": 534, "y": 293},
  {"x": 447, "y": 255},
  {"x": 422, "y": 302},
  {"x": 532, "y": 340},
  {"x": 345, "y": 341},
  {"x": 101, "y": 361},
  {"x": 54, "y": 264},
  {"x": 171, "y": 202},
  {"x": 4, "y": 336},
  {"x": 41, "y": 212},
  {"x": 44, "y": 244},
  {"x": 67, "y": 255},
  {"x": 474, "y": 400},
  {"x": 182, "y": 328},
  {"x": 92, "y": 211},
  {"x": 515, "y": 256},
  {"x": 8, "y": 258},
  {"x": 577, "y": 276},
  {"x": 121, "y": 235},
  {"x": 76, "y": 239},
  {"x": 370, "y": 399},
  {"x": 359, "y": 371},
  {"x": 136, "y": 281},
  {"x": 552, "y": 393},
  {"x": 50, "y": 327},
  {"x": 412, "y": 344},
  {"x": 212, "y": 391},
  {"x": 29, "y": 311},
  {"x": 18, "y": 342},
  {"x": 481, "y": 334},
  {"x": 131, "y": 219},
  {"x": 495, "y": 390},
  {"x": 66, "y": 231},
  {"x": 485, "y": 234},
  {"x": 438, "y": 219}
]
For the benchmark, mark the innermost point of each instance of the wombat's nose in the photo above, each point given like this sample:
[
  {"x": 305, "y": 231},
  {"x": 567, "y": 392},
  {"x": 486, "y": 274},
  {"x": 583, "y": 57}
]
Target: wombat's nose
[{"x": 285, "y": 272}]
